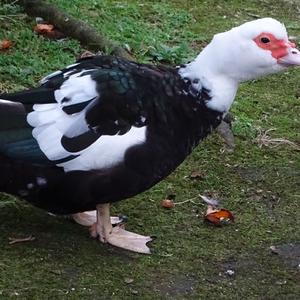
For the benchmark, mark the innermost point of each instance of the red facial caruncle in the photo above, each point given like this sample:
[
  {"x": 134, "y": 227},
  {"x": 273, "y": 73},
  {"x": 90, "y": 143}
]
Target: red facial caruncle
[{"x": 278, "y": 48}]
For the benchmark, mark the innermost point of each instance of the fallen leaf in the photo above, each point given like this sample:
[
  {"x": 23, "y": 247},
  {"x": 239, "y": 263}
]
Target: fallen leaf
[
  {"x": 196, "y": 175},
  {"x": 5, "y": 44},
  {"x": 21, "y": 240},
  {"x": 167, "y": 203},
  {"x": 218, "y": 216},
  {"x": 48, "y": 31},
  {"x": 43, "y": 28}
]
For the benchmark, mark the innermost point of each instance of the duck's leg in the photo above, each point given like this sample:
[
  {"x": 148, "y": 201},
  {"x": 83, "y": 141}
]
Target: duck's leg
[
  {"x": 88, "y": 218},
  {"x": 117, "y": 236}
]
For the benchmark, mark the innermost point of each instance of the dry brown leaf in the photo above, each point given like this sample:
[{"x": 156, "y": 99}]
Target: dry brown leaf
[
  {"x": 43, "y": 28},
  {"x": 218, "y": 216},
  {"x": 196, "y": 175},
  {"x": 5, "y": 44},
  {"x": 48, "y": 31}
]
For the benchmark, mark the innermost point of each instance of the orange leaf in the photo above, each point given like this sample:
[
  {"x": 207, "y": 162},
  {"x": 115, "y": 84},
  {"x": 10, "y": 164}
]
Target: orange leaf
[
  {"x": 48, "y": 31},
  {"x": 43, "y": 28},
  {"x": 5, "y": 44},
  {"x": 219, "y": 217}
]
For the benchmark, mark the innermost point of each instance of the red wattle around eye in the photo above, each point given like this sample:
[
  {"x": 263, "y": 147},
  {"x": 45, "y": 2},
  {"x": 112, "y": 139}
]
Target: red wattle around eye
[{"x": 277, "y": 47}]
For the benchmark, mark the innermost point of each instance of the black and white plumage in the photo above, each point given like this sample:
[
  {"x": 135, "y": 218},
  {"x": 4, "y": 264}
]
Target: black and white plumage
[
  {"x": 105, "y": 129},
  {"x": 113, "y": 120}
]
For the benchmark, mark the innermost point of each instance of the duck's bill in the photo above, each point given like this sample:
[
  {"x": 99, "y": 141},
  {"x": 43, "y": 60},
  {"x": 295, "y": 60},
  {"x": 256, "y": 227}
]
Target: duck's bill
[{"x": 291, "y": 59}]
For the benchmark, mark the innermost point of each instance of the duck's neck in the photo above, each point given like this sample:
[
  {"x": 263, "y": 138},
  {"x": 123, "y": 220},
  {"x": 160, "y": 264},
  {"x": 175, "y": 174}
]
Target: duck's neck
[{"x": 206, "y": 72}]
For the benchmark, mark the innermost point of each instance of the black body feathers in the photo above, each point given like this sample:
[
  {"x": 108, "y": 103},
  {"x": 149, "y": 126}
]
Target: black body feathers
[{"x": 51, "y": 134}]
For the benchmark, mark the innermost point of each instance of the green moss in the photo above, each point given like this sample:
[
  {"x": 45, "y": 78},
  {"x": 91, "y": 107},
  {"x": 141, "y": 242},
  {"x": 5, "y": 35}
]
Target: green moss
[{"x": 260, "y": 185}]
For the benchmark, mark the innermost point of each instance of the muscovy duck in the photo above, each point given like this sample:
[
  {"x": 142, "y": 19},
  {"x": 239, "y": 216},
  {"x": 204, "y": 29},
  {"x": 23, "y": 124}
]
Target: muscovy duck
[{"x": 105, "y": 128}]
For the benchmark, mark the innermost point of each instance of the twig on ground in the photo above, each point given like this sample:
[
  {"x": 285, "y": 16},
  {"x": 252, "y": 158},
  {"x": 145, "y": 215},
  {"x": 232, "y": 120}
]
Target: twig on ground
[
  {"x": 188, "y": 200},
  {"x": 264, "y": 139},
  {"x": 21, "y": 240}
]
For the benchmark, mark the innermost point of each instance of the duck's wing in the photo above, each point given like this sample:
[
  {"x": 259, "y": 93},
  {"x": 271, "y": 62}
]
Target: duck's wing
[{"x": 87, "y": 115}]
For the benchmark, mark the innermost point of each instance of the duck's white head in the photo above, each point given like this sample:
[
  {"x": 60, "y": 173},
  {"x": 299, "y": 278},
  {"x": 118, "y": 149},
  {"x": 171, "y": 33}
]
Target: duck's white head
[
  {"x": 254, "y": 49},
  {"x": 249, "y": 51}
]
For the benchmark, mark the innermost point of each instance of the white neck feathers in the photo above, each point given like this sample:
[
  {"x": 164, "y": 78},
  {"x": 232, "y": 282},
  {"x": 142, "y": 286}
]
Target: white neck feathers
[{"x": 222, "y": 88}]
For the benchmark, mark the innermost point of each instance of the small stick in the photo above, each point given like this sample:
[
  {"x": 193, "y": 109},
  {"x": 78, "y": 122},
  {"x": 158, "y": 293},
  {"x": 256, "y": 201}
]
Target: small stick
[{"x": 21, "y": 240}]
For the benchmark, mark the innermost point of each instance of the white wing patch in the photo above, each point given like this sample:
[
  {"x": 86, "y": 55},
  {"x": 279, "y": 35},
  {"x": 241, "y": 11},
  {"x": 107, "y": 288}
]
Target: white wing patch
[
  {"x": 51, "y": 123},
  {"x": 106, "y": 152},
  {"x": 76, "y": 88}
]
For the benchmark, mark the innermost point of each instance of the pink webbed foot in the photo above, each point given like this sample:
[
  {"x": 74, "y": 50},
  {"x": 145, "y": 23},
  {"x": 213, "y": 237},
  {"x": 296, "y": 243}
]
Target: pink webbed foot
[
  {"x": 122, "y": 238},
  {"x": 131, "y": 241},
  {"x": 117, "y": 236}
]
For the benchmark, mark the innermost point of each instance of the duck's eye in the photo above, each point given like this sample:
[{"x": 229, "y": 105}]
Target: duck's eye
[{"x": 265, "y": 40}]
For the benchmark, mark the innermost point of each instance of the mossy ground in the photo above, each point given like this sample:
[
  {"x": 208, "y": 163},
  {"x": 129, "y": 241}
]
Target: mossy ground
[{"x": 259, "y": 185}]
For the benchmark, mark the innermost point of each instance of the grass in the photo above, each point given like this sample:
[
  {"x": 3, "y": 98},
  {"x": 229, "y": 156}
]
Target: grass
[{"x": 190, "y": 259}]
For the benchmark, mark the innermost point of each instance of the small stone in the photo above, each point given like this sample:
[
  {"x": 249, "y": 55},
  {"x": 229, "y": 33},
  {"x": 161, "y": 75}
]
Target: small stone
[
  {"x": 229, "y": 272},
  {"x": 167, "y": 203}
]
